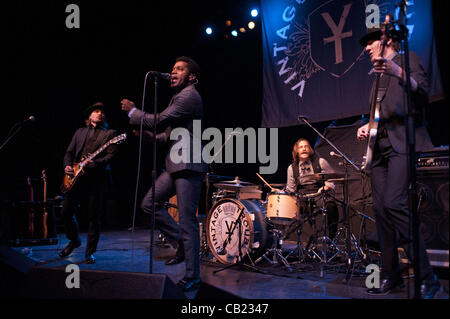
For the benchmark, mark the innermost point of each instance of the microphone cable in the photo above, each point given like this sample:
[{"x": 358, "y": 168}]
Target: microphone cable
[{"x": 139, "y": 155}]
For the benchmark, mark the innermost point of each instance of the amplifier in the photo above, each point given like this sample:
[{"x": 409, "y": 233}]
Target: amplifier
[
  {"x": 433, "y": 209},
  {"x": 433, "y": 160}
]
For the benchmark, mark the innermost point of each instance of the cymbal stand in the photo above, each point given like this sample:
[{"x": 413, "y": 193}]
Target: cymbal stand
[
  {"x": 308, "y": 217},
  {"x": 349, "y": 237},
  {"x": 324, "y": 239},
  {"x": 355, "y": 241}
]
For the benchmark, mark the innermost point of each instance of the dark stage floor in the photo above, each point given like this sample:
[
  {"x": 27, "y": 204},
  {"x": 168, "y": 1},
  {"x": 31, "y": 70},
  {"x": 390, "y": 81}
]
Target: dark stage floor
[{"x": 126, "y": 251}]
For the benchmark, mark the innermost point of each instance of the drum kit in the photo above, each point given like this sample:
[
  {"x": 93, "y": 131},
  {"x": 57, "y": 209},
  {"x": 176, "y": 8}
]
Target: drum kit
[{"x": 240, "y": 224}]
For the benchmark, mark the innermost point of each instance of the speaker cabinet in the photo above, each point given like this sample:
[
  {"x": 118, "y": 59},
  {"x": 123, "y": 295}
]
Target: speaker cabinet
[
  {"x": 432, "y": 190},
  {"x": 50, "y": 283}
]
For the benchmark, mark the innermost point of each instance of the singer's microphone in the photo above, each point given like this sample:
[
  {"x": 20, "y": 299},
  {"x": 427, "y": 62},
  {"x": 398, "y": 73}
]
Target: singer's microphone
[
  {"x": 335, "y": 154},
  {"x": 302, "y": 117},
  {"x": 30, "y": 119},
  {"x": 165, "y": 76}
]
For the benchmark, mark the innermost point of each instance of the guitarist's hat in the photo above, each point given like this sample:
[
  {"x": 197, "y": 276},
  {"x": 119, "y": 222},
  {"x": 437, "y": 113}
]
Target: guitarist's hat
[
  {"x": 92, "y": 108},
  {"x": 372, "y": 34},
  {"x": 375, "y": 34}
]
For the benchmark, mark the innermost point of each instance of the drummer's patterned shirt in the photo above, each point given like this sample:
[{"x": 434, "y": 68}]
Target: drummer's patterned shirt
[{"x": 305, "y": 168}]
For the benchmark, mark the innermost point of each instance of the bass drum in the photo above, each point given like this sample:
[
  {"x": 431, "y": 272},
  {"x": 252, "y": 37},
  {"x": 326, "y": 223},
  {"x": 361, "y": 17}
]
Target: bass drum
[{"x": 255, "y": 237}]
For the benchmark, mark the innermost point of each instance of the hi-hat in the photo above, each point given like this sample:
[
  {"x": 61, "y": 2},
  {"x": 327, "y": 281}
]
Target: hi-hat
[{"x": 237, "y": 181}]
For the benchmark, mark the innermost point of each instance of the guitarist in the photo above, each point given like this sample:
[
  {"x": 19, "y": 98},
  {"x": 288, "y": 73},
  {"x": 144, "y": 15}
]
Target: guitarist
[
  {"x": 91, "y": 187},
  {"x": 389, "y": 172}
]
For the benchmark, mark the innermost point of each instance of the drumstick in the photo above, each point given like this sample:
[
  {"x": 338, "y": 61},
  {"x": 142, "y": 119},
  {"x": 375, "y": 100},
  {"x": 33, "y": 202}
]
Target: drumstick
[{"x": 265, "y": 182}]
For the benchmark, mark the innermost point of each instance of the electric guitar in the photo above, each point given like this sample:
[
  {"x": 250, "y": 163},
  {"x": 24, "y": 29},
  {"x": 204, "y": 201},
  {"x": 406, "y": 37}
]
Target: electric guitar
[
  {"x": 79, "y": 168},
  {"x": 44, "y": 213},
  {"x": 375, "y": 107}
]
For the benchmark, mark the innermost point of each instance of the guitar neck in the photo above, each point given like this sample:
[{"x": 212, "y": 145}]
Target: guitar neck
[{"x": 93, "y": 155}]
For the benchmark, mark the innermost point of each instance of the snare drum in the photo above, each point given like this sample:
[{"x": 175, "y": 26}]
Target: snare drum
[
  {"x": 255, "y": 237},
  {"x": 282, "y": 207}
]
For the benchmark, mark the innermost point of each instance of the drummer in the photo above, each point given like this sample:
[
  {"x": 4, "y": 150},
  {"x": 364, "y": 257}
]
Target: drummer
[{"x": 306, "y": 162}]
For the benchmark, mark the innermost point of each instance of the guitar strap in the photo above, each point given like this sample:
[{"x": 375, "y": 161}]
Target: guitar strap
[
  {"x": 382, "y": 89},
  {"x": 84, "y": 137}
]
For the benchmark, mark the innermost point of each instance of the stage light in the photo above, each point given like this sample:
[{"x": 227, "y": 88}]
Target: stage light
[
  {"x": 254, "y": 13},
  {"x": 234, "y": 33},
  {"x": 242, "y": 30},
  {"x": 209, "y": 30},
  {"x": 251, "y": 25},
  {"x": 228, "y": 23}
]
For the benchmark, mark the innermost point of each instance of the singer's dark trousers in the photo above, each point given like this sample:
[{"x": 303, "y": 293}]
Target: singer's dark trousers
[
  {"x": 89, "y": 193},
  {"x": 187, "y": 186},
  {"x": 390, "y": 198}
]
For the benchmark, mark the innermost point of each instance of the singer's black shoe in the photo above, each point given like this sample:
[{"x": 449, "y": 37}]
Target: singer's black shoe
[
  {"x": 386, "y": 287},
  {"x": 69, "y": 248},
  {"x": 175, "y": 260},
  {"x": 188, "y": 284},
  {"x": 429, "y": 288}
]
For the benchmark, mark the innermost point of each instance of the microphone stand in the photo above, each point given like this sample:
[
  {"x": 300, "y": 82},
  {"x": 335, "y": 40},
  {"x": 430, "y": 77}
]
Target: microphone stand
[
  {"x": 16, "y": 127},
  {"x": 347, "y": 163},
  {"x": 155, "y": 113},
  {"x": 411, "y": 161}
]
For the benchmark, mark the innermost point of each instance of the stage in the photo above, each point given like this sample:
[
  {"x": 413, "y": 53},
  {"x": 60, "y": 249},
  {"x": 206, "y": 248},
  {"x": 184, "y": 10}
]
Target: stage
[{"x": 125, "y": 252}]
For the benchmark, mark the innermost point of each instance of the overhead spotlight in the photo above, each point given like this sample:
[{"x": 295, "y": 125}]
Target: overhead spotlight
[
  {"x": 251, "y": 25},
  {"x": 242, "y": 30},
  {"x": 234, "y": 33},
  {"x": 254, "y": 13},
  {"x": 209, "y": 30},
  {"x": 228, "y": 23}
]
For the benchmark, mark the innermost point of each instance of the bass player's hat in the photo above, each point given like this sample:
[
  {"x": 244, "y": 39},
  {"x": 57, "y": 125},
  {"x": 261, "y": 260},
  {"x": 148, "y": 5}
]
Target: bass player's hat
[{"x": 375, "y": 34}]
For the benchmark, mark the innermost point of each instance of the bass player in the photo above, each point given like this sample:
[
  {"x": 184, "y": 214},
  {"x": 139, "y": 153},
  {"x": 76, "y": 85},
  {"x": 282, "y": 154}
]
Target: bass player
[{"x": 389, "y": 172}]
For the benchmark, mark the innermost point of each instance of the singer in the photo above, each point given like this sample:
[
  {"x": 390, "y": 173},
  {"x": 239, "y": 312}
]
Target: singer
[
  {"x": 305, "y": 162},
  {"x": 181, "y": 179}
]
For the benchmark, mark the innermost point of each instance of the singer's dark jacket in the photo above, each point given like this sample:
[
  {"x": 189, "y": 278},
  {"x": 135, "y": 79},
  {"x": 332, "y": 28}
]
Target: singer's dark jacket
[{"x": 184, "y": 107}]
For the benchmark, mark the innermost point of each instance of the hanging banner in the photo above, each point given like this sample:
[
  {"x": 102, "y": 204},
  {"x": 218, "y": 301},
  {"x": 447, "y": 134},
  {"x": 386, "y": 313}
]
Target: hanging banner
[{"x": 314, "y": 65}]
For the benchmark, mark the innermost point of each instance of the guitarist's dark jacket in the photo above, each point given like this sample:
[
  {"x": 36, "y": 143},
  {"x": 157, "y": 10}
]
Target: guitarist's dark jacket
[
  {"x": 393, "y": 109},
  {"x": 78, "y": 147}
]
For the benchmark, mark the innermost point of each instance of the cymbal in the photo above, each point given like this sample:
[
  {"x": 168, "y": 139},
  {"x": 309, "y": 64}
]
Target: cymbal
[
  {"x": 317, "y": 177},
  {"x": 237, "y": 181},
  {"x": 335, "y": 180},
  {"x": 330, "y": 175},
  {"x": 235, "y": 187}
]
